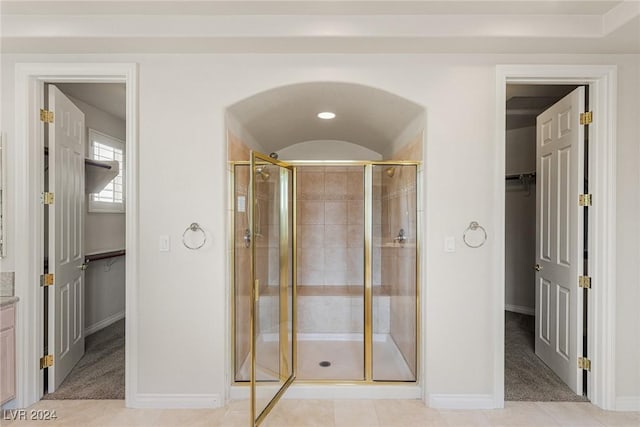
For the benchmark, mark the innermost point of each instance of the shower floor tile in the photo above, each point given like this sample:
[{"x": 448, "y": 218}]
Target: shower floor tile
[{"x": 346, "y": 358}]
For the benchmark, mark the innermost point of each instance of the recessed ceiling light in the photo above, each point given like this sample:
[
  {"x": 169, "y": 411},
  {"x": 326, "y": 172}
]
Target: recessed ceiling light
[{"x": 326, "y": 115}]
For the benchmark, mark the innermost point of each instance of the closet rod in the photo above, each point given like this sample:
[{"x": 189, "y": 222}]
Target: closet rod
[
  {"x": 86, "y": 161},
  {"x": 104, "y": 255},
  {"x": 520, "y": 176},
  {"x": 96, "y": 163}
]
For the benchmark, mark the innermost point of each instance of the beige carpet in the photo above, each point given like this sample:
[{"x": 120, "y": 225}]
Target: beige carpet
[
  {"x": 100, "y": 372},
  {"x": 526, "y": 377}
]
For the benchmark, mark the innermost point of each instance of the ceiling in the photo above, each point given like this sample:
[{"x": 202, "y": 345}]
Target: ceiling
[
  {"x": 320, "y": 26},
  {"x": 287, "y": 115},
  {"x": 353, "y": 7},
  {"x": 108, "y": 97}
]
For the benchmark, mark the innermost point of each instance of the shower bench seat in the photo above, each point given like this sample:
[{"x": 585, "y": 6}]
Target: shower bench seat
[
  {"x": 330, "y": 290},
  {"x": 328, "y": 309},
  {"x": 340, "y": 290}
]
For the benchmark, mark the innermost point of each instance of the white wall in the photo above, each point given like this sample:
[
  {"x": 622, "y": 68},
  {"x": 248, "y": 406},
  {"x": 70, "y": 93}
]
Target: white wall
[
  {"x": 182, "y": 296},
  {"x": 104, "y": 293},
  {"x": 327, "y": 150},
  {"x": 628, "y": 239},
  {"x": 520, "y": 222}
]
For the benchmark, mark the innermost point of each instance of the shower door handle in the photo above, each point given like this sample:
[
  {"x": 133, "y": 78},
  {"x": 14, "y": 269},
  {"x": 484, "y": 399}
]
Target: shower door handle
[
  {"x": 247, "y": 238},
  {"x": 401, "y": 237}
]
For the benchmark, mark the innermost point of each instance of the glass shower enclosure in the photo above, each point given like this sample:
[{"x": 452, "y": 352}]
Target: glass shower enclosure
[{"x": 325, "y": 270}]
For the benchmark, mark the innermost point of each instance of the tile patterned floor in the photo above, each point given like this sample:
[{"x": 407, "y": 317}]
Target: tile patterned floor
[{"x": 327, "y": 413}]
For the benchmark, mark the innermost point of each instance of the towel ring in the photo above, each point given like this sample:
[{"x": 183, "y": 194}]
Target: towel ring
[
  {"x": 474, "y": 226},
  {"x": 194, "y": 227}
]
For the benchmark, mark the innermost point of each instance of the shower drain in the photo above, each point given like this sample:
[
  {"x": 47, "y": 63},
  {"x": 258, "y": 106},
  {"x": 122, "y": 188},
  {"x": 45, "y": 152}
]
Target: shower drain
[{"x": 324, "y": 363}]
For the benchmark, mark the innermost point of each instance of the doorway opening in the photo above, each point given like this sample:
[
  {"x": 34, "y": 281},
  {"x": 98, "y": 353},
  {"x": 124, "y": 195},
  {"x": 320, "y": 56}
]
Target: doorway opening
[
  {"x": 601, "y": 80},
  {"x": 29, "y": 252},
  {"x": 531, "y": 373},
  {"x": 84, "y": 241}
]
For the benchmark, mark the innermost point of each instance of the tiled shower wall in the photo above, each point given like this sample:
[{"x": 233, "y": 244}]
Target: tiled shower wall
[
  {"x": 398, "y": 260},
  {"x": 330, "y": 226},
  {"x": 267, "y": 241},
  {"x": 242, "y": 265}
]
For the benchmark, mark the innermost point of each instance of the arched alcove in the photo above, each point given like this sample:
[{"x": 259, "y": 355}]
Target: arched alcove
[
  {"x": 377, "y": 120},
  {"x": 344, "y": 200}
]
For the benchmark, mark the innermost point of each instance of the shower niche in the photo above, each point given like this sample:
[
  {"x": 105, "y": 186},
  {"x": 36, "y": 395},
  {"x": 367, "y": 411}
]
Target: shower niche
[{"x": 325, "y": 272}]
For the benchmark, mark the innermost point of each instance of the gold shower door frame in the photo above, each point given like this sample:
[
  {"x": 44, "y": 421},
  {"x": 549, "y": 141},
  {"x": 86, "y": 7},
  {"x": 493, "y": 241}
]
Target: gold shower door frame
[
  {"x": 286, "y": 220},
  {"x": 291, "y": 166}
]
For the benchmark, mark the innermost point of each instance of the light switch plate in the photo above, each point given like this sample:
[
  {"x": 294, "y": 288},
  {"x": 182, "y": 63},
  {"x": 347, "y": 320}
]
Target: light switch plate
[
  {"x": 449, "y": 244},
  {"x": 164, "y": 244}
]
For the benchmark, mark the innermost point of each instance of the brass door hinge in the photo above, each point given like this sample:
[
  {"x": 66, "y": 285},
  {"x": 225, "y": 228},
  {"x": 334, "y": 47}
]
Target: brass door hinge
[
  {"x": 586, "y": 118},
  {"x": 584, "y": 282},
  {"x": 46, "y": 361},
  {"x": 46, "y": 116},
  {"x": 584, "y": 363},
  {"x": 46, "y": 279},
  {"x": 585, "y": 200},
  {"x": 47, "y": 198}
]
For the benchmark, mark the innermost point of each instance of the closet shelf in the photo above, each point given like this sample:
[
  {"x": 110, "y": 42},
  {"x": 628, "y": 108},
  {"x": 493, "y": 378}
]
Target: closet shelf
[{"x": 97, "y": 174}]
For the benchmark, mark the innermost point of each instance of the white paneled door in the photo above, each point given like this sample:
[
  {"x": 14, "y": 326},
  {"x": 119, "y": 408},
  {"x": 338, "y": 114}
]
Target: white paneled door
[
  {"x": 559, "y": 237},
  {"x": 66, "y": 236}
]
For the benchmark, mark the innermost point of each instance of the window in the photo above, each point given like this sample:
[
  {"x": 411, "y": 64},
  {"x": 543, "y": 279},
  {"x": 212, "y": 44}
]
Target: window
[{"x": 112, "y": 197}]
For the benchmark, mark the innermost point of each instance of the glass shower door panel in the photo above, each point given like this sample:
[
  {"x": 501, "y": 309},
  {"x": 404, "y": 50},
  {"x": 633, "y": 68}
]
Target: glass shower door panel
[
  {"x": 272, "y": 292},
  {"x": 394, "y": 284}
]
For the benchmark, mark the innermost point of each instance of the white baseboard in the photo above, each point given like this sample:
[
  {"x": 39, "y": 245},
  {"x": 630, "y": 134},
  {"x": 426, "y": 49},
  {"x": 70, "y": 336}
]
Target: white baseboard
[
  {"x": 176, "y": 401},
  {"x": 461, "y": 401},
  {"x": 103, "y": 323},
  {"x": 628, "y": 403},
  {"x": 520, "y": 309}
]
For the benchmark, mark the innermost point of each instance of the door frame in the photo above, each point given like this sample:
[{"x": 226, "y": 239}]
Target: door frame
[
  {"x": 602, "y": 82},
  {"x": 29, "y": 181}
]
